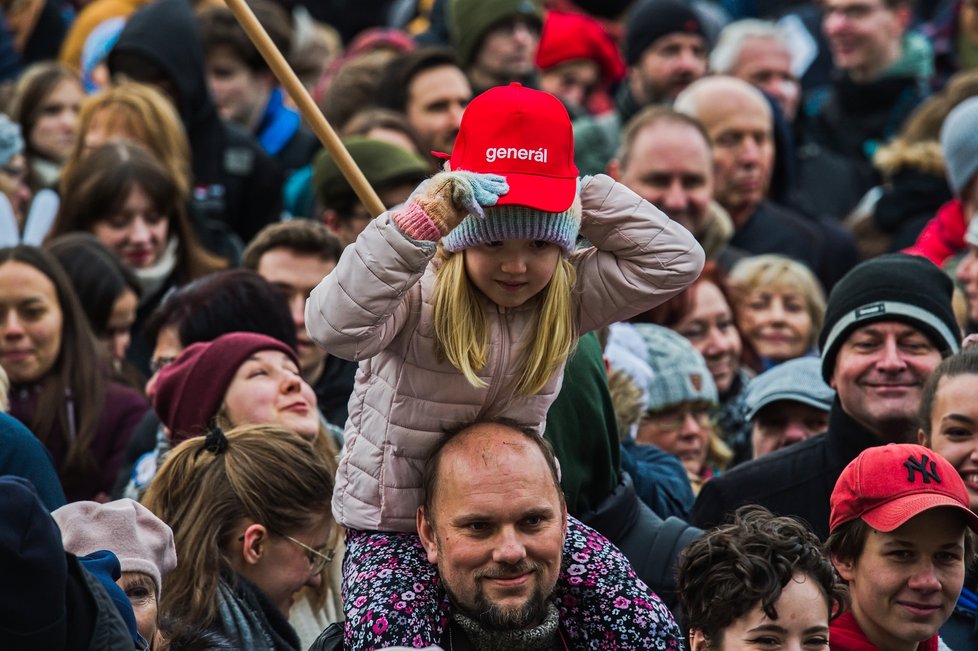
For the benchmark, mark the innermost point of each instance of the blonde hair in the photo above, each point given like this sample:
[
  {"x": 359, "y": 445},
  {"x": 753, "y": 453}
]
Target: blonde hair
[
  {"x": 778, "y": 272},
  {"x": 205, "y": 495},
  {"x": 148, "y": 117},
  {"x": 462, "y": 328}
]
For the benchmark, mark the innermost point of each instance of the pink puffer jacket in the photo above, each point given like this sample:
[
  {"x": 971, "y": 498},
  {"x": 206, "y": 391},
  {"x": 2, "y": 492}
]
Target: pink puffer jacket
[{"x": 375, "y": 308}]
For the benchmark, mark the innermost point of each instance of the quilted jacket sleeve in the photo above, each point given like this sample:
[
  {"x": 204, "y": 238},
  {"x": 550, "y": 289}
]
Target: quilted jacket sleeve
[
  {"x": 357, "y": 310},
  {"x": 639, "y": 258}
]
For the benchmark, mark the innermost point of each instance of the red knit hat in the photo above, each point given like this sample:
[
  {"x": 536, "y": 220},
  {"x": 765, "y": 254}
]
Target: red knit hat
[
  {"x": 190, "y": 391},
  {"x": 567, "y": 36},
  {"x": 524, "y": 135},
  {"x": 887, "y": 485}
]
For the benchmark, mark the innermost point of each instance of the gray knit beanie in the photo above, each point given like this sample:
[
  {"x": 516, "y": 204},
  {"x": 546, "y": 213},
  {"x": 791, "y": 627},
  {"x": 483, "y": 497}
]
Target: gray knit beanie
[
  {"x": 679, "y": 373},
  {"x": 959, "y": 144},
  {"x": 11, "y": 141}
]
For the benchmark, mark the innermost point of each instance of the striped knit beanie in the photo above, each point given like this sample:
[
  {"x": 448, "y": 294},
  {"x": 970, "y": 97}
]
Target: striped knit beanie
[{"x": 517, "y": 222}]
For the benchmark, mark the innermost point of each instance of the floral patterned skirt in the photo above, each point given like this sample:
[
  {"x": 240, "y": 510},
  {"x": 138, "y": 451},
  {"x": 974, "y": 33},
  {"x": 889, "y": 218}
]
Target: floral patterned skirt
[{"x": 392, "y": 595}]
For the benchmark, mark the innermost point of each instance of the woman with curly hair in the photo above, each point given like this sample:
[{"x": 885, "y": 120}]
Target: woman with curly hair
[{"x": 762, "y": 582}]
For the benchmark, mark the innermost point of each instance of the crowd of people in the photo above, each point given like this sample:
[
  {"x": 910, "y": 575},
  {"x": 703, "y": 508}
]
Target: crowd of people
[{"x": 667, "y": 337}]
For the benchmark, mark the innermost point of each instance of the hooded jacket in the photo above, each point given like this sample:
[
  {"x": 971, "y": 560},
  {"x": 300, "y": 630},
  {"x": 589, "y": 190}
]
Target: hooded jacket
[
  {"x": 943, "y": 236},
  {"x": 375, "y": 307},
  {"x": 234, "y": 182}
]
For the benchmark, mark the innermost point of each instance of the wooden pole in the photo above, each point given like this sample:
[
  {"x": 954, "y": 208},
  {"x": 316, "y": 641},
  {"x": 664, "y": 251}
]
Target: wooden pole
[{"x": 307, "y": 107}]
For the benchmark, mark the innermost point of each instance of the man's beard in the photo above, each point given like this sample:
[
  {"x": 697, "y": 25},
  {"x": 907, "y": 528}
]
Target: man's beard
[
  {"x": 665, "y": 93},
  {"x": 496, "y": 618}
]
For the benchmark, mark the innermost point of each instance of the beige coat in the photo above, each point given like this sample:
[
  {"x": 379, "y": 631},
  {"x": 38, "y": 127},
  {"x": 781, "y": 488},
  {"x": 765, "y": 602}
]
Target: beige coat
[{"x": 375, "y": 307}]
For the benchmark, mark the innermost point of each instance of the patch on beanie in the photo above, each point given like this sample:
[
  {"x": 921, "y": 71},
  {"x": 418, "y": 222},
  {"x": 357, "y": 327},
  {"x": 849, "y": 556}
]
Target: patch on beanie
[{"x": 873, "y": 309}]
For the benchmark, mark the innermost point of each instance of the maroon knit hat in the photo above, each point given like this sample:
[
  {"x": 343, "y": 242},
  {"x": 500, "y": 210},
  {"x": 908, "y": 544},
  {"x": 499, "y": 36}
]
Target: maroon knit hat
[{"x": 189, "y": 392}]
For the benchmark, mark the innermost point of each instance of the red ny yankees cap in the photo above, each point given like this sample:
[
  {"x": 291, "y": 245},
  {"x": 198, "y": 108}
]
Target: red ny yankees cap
[
  {"x": 887, "y": 485},
  {"x": 524, "y": 135}
]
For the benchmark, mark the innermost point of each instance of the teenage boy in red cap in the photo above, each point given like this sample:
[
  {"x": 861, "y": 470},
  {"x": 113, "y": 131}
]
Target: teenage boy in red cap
[{"x": 899, "y": 537}]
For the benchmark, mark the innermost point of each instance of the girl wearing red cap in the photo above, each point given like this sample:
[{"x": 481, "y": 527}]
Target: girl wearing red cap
[
  {"x": 464, "y": 305},
  {"x": 899, "y": 538}
]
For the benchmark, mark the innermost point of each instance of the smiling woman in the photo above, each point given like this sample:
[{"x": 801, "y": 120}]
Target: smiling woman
[
  {"x": 779, "y": 306},
  {"x": 59, "y": 388},
  {"x": 126, "y": 198},
  {"x": 46, "y": 103},
  {"x": 759, "y": 583},
  {"x": 949, "y": 426}
]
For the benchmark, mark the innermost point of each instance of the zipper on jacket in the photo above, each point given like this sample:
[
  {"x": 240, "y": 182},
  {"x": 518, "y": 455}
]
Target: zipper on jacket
[{"x": 505, "y": 344}]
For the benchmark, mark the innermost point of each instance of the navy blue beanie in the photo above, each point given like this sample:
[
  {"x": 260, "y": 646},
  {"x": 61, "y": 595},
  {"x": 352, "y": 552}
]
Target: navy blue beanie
[{"x": 650, "y": 20}]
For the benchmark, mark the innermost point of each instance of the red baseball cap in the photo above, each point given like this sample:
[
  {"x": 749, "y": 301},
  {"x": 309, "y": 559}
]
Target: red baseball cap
[
  {"x": 524, "y": 135},
  {"x": 887, "y": 485}
]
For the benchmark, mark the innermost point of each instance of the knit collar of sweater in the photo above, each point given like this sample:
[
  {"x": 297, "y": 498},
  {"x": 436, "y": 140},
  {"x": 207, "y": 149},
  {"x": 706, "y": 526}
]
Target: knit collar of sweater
[{"x": 544, "y": 637}]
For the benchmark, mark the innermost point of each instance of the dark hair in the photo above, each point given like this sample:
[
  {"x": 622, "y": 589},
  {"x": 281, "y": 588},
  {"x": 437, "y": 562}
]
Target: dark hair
[
  {"x": 354, "y": 86},
  {"x": 234, "y": 300},
  {"x": 429, "y": 476},
  {"x": 219, "y": 28},
  {"x": 33, "y": 88},
  {"x": 75, "y": 379},
  {"x": 964, "y": 362},
  {"x": 736, "y": 567},
  {"x": 846, "y": 543},
  {"x": 98, "y": 188},
  {"x": 365, "y": 121},
  {"x": 99, "y": 279},
  {"x": 393, "y": 87},
  {"x": 302, "y": 236}
]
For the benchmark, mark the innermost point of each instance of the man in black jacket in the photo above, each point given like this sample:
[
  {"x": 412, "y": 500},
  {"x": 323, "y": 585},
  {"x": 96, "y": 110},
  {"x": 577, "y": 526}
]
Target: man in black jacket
[{"x": 887, "y": 325}]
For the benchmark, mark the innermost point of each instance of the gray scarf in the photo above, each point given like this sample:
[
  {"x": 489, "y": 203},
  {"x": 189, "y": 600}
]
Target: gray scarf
[{"x": 240, "y": 622}]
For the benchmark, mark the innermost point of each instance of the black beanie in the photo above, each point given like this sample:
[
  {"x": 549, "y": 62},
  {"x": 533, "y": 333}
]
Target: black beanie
[
  {"x": 894, "y": 287},
  {"x": 650, "y": 20}
]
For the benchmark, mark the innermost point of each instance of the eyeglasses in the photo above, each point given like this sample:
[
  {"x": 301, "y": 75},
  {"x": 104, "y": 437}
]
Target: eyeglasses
[
  {"x": 317, "y": 560},
  {"x": 673, "y": 419},
  {"x": 157, "y": 364}
]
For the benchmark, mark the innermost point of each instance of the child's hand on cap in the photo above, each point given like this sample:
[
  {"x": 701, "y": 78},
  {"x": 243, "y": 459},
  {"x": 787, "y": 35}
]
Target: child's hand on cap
[{"x": 449, "y": 197}]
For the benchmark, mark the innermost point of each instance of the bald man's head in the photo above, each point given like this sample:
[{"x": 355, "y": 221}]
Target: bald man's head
[{"x": 739, "y": 120}]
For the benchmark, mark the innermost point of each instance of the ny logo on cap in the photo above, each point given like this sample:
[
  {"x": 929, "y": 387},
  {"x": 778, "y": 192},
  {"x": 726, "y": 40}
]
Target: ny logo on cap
[{"x": 926, "y": 468}]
